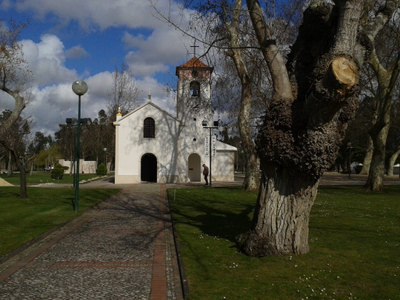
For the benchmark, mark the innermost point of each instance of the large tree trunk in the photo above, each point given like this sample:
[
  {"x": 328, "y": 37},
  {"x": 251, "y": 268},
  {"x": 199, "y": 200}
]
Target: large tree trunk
[
  {"x": 314, "y": 98},
  {"x": 9, "y": 167},
  {"x": 377, "y": 168},
  {"x": 281, "y": 217},
  {"x": 367, "y": 158},
  {"x": 23, "y": 192},
  {"x": 392, "y": 161},
  {"x": 22, "y": 176}
]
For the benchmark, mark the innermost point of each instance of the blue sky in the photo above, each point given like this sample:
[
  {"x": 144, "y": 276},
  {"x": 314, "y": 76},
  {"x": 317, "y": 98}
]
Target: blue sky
[{"x": 86, "y": 39}]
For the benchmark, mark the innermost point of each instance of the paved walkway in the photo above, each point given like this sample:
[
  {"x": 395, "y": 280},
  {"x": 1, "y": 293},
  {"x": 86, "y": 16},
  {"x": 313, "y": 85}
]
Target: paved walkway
[{"x": 123, "y": 249}]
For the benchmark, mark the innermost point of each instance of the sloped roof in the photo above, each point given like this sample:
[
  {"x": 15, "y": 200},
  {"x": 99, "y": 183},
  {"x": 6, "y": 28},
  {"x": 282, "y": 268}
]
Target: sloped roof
[
  {"x": 195, "y": 62},
  {"x": 224, "y": 147},
  {"x": 141, "y": 107}
]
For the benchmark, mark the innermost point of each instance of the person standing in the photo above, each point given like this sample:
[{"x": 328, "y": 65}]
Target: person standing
[{"x": 205, "y": 173}]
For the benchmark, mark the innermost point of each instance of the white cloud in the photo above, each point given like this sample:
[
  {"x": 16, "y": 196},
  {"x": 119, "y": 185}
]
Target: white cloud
[
  {"x": 46, "y": 60},
  {"x": 165, "y": 44},
  {"x": 92, "y": 14},
  {"x": 76, "y": 52},
  {"x": 53, "y": 104},
  {"x": 153, "y": 54}
]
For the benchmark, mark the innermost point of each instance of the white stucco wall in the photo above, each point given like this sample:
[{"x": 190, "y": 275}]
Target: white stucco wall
[
  {"x": 87, "y": 167},
  {"x": 131, "y": 145}
]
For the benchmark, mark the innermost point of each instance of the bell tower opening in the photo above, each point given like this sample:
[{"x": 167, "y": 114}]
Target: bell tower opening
[{"x": 195, "y": 89}]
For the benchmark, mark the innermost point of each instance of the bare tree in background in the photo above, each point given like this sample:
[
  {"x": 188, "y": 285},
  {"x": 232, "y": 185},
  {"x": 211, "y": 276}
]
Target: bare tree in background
[
  {"x": 14, "y": 72},
  {"x": 124, "y": 97},
  {"x": 124, "y": 94},
  {"x": 14, "y": 76},
  {"x": 17, "y": 140},
  {"x": 385, "y": 63}
]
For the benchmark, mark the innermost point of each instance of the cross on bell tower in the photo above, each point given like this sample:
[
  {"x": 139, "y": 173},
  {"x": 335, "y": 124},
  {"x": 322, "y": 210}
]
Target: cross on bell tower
[{"x": 194, "y": 48}]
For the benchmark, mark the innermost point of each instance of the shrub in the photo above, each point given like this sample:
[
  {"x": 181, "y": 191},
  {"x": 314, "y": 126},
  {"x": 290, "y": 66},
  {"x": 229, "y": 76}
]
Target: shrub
[
  {"x": 101, "y": 170},
  {"x": 57, "y": 172}
]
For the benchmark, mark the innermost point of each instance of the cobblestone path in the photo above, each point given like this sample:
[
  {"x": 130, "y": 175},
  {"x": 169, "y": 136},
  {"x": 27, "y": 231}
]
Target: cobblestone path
[{"x": 121, "y": 250}]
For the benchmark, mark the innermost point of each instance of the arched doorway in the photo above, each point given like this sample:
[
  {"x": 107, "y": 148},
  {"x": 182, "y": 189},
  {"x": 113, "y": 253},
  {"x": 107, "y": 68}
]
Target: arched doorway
[
  {"x": 194, "y": 165},
  {"x": 148, "y": 169}
]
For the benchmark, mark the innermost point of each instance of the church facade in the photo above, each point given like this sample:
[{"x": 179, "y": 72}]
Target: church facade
[{"x": 154, "y": 146}]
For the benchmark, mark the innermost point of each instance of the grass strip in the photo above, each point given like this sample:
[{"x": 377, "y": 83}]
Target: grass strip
[
  {"x": 44, "y": 177},
  {"x": 22, "y": 220},
  {"x": 354, "y": 247}
]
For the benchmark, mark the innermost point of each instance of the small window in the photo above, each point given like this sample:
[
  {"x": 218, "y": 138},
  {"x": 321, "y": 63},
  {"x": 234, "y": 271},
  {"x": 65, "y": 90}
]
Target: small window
[{"x": 148, "y": 128}]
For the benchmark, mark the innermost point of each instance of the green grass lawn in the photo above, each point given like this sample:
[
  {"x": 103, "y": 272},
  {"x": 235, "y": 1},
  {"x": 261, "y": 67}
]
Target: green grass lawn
[
  {"x": 354, "y": 247},
  {"x": 44, "y": 177},
  {"x": 21, "y": 220}
]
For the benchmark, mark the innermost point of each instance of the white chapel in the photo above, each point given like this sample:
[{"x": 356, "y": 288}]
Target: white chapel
[{"x": 153, "y": 145}]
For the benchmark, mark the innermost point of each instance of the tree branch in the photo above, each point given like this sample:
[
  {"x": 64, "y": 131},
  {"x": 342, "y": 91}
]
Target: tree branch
[{"x": 276, "y": 64}]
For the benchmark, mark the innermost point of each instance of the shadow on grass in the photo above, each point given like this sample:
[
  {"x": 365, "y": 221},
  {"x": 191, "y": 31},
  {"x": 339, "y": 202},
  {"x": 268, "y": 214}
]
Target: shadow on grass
[{"x": 218, "y": 212}]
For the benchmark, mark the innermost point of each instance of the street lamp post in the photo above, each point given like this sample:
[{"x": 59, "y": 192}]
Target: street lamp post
[
  {"x": 204, "y": 123},
  {"x": 80, "y": 88}
]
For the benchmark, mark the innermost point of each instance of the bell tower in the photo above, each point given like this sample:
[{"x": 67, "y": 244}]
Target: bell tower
[{"x": 194, "y": 92}]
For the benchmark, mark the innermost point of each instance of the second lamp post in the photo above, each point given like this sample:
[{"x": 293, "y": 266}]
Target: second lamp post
[
  {"x": 204, "y": 123},
  {"x": 80, "y": 88}
]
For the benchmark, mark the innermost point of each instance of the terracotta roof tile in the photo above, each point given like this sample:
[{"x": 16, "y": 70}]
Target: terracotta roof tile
[{"x": 195, "y": 62}]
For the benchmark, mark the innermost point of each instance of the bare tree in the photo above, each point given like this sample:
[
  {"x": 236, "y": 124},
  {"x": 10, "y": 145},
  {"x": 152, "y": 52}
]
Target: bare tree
[
  {"x": 393, "y": 142},
  {"x": 235, "y": 52},
  {"x": 386, "y": 67},
  {"x": 124, "y": 94},
  {"x": 14, "y": 75},
  {"x": 123, "y": 97},
  {"x": 13, "y": 71},
  {"x": 17, "y": 143}
]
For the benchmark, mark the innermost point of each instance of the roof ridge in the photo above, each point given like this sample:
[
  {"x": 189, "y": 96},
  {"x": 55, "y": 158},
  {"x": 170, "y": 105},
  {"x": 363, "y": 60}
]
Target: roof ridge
[{"x": 195, "y": 62}]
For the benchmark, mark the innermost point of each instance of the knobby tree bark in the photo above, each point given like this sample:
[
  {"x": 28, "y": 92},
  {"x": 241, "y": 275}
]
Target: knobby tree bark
[{"x": 314, "y": 98}]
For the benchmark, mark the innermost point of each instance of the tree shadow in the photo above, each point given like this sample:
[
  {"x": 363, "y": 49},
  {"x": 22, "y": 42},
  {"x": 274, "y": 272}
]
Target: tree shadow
[{"x": 215, "y": 218}]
